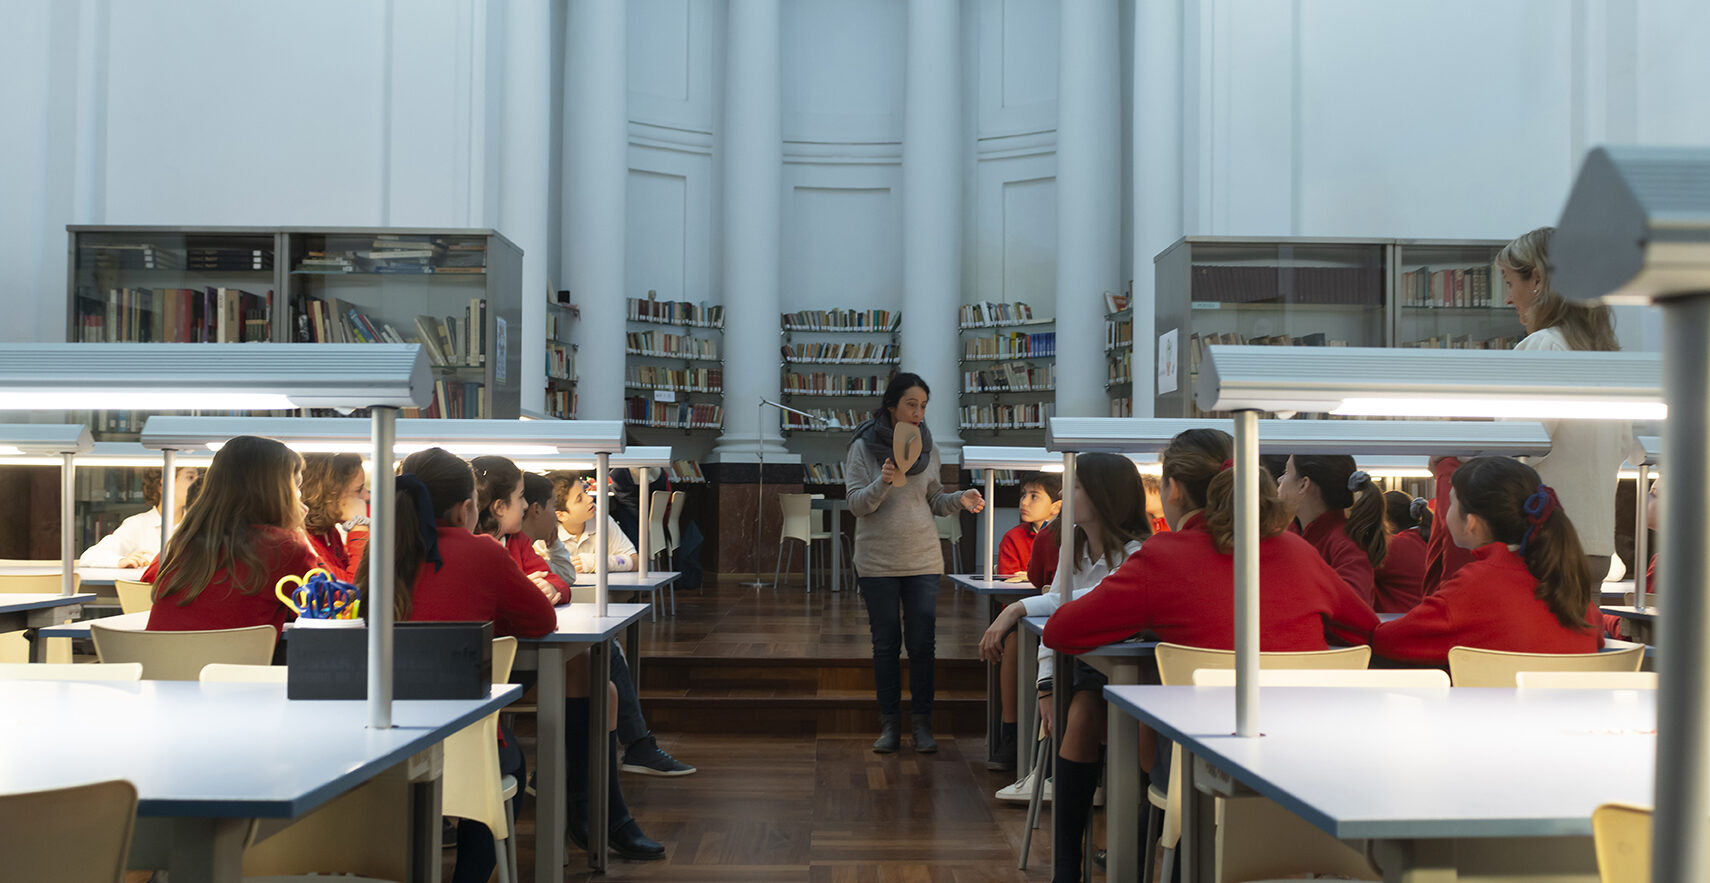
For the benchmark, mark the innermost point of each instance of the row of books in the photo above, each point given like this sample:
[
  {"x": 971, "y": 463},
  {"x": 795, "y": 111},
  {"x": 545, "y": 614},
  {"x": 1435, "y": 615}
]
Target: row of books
[
  {"x": 1463, "y": 342},
  {"x": 675, "y": 312},
  {"x": 1219, "y": 283},
  {"x": 670, "y": 346},
  {"x": 1015, "y": 345},
  {"x": 1119, "y": 367},
  {"x": 174, "y": 315},
  {"x": 130, "y": 256},
  {"x": 1118, "y": 334},
  {"x": 1116, "y": 303},
  {"x": 842, "y": 320},
  {"x": 992, "y": 315},
  {"x": 687, "y": 472},
  {"x": 1451, "y": 287},
  {"x": 450, "y": 341},
  {"x": 1122, "y": 406},
  {"x": 1011, "y": 377},
  {"x": 561, "y": 403},
  {"x": 834, "y": 420},
  {"x": 406, "y": 254},
  {"x": 456, "y": 399},
  {"x": 824, "y": 473},
  {"x": 558, "y": 325},
  {"x": 560, "y": 360},
  {"x": 824, "y": 383},
  {"x": 841, "y": 353},
  {"x": 639, "y": 411},
  {"x": 1005, "y": 416},
  {"x": 679, "y": 379},
  {"x": 1198, "y": 342}
]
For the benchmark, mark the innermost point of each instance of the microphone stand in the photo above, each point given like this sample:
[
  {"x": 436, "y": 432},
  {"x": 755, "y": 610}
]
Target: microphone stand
[{"x": 760, "y": 452}]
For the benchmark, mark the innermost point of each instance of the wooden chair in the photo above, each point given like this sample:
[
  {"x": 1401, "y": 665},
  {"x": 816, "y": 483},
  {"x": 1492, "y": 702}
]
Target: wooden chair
[
  {"x": 1586, "y": 680},
  {"x": 53, "y": 671},
  {"x": 1370, "y": 677},
  {"x": 135, "y": 596},
  {"x": 1473, "y": 667},
  {"x": 180, "y": 656},
  {"x": 1270, "y": 841},
  {"x": 1622, "y": 837},
  {"x": 14, "y": 648},
  {"x": 79, "y": 833}
]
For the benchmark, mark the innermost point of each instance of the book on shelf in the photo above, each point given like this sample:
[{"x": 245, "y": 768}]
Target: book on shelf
[
  {"x": 842, "y": 320},
  {"x": 1122, "y": 406},
  {"x": 687, "y": 472},
  {"x": 1426, "y": 288},
  {"x": 456, "y": 399},
  {"x": 560, "y": 361},
  {"x": 561, "y": 403},
  {"x": 827, "y": 383},
  {"x": 1015, "y": 345},
  {"x": 1118, "y": 333},
  {"x": 672, "y": 415},
  {"x": 675, "y": 312},
  {"x": 987, "y": 314},
  {"x": 665, "y": 345},
  {"x": 398, "y": 254},
  {"x": 1463, "y": 342},
  {"x": 824, "y": 473},
  {"x": 130, "y": 256},
  {"x": 1030, "y": 415},
  {"x": 174, "y": 315},
  {"x": 1119, "y": 367},
  {"x": 449, "y": 341},
  {"x": 836, "y": 420},
  {"x": 1116, "y": 303},
  {"x": 1011, "y": 377},
  {"x": 1346, "y": 286},
  {"x": 710, "y": 380},
  {"x": 841, "y": 353},
  {"x": 227, "y": 258}
]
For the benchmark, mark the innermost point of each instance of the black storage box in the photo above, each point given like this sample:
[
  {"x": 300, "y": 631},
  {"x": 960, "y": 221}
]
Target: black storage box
[{"x": 430, "y": 660}]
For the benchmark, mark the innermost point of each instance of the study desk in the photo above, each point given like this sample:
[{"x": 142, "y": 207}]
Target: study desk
[
  {"x": 991, "y": 593},
  {"x": 1641, "y": 624},
  {"x": 577, "y": 629},
  {"x": 1486, "y": 789},
  {"x": 213, "y": 756},
  {"x": 1124, "y": 663},
  {"x": 836, "y": 507},
  {"x": 638, "y": 585},
  {"x": 35, "y": 612},
  {"x": 129, "y": 621}
]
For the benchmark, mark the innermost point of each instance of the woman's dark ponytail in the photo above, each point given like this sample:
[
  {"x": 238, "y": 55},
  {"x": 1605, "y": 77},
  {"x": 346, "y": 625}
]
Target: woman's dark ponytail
[
  {"x": 1196, "y": 461},
  {"x": 1346, "y": 487},
  {"x": 1521, "y": 510}
]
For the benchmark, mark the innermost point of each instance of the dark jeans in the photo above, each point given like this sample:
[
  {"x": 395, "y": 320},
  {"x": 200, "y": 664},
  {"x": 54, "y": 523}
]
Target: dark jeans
[
  {"x": 903, "y": 609},
  {"x": 631, "y": 726}
]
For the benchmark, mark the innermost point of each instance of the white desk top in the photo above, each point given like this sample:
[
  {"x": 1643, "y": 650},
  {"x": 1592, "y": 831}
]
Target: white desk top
[
  {"x": 1649, "y": 614},
  {"x": 1036, "y": 625},
  {"x": 80, "y": 629},
  {"x": 982, "y": 586},
  {"x": 23, "y": 601},
  {"x": 631, "y": 581},
  {"x": 225, "y": 750},
  {"x": 1422, "y": 763},
  {"x": 577, "y": 624},
  {"x": 92, "y": 576}
]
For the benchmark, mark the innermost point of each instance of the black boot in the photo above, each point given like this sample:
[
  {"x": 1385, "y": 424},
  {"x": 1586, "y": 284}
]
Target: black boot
[
  {"x": 1071, "y": 801},
  {"x": 628, "y": 841},
  {"x": 1003, "y": 756},
  {"x": 890, "y": 735},
  {"x": 923, "y": 741}
]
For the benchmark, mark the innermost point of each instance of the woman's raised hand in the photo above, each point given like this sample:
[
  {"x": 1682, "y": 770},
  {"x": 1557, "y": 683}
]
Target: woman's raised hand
[
  {"x": 888, "y": 472},
  {"x": 972, "y": 501}
]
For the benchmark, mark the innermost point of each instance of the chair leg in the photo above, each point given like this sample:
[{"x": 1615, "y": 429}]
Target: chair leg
[
  {"x": 511, "y": 841},
  {"x": 777, "y": 563},
  {"x": 1169, "y": 865},
  {"x": 1034, "y": 801},
  {"x": 807, "y": 565},
  {"x": 502, "y": 851},
  {"x": 1149, "y": 846}
]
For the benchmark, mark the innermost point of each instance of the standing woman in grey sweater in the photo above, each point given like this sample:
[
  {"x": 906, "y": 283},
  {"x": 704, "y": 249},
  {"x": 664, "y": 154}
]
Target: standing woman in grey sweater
[{"x": 897, "y": 556}]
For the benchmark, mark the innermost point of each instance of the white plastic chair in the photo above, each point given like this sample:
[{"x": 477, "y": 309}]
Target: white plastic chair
[
  {"x": 472, "y": 785},
  {"x": 1369, "y": 677},
  {"x": 233, "y": 673},
  {"x": 657, "y": 547},
  {"x": 675, "y": 534},
  {"x": 798, "y": 525},
  {"x": 56, "y": 671},
  {"x": 180, "y": 656},
  {"x": 14, "y": 647},
  {"x": 1477, "y": 667},
  {"x": 135, "y": 596},
  {"x": 78, "y": 833}
]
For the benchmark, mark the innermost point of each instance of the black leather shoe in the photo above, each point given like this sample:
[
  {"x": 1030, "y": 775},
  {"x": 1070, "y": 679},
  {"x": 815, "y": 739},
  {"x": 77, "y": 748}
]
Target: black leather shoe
[{"x": 628, "y": 842}]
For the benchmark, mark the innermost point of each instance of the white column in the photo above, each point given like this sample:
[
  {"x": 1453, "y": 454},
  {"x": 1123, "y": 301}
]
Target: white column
[
  {"x": 1157, "y": 180},
  {"x": 1089, "y": 217},
  {"x": 525, "y": 167},
  {"x": 932, "y": 210},
  {"x": 752, "y": 165},
  {"x": 596, "y": 175}
]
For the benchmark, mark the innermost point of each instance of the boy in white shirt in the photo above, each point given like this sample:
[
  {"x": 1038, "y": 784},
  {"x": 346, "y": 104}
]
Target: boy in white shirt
[
  {"x": 137, "y": 539},
  {"x": 576, "y": 509}
]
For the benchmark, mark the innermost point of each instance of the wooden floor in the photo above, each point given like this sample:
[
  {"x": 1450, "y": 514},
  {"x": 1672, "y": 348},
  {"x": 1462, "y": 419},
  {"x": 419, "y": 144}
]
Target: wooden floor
[{"x": 811, "y": 807}]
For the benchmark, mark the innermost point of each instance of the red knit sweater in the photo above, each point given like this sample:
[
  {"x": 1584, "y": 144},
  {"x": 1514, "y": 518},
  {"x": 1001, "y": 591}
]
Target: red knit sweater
[
  {"x": 521, "y": 549},
  {"x": 339, "y": 557},
  {"x": 1016, "y": 550},
  {"x": 222, "y": 605},
  {"x": 1443, "y": 558},
  {"x": 1042, "y": 559},
  {"x": 1489, "y": 604},
  {"x": 1179, "y": 588},
  {"x": 478, "y": 582},
  {"x": 1328, "y": 533},
  {"x": 1401, "y": 578}
]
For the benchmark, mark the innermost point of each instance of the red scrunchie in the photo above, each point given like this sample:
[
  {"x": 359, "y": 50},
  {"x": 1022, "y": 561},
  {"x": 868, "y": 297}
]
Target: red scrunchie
[{"x": 1227, "y": 465}]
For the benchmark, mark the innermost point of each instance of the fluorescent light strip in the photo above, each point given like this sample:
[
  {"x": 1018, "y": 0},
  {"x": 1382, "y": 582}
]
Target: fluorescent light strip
[
  {"x": 1535, "y": 409},
  {"x": 47, "y": 400},
  {"x": 461, "y": 449}
]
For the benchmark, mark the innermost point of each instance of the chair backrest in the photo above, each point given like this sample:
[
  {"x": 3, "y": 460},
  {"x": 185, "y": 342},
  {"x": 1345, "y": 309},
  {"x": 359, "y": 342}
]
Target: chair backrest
[
  {"x": 1586, "y": 680},
  {"x": 1355, "y": 677},
  {"x": 1177, "y": 662},
  {"x": 58, "y": 671},
  {"x": 79, "y": 833},
  {"x": 135, "y": 596},
  {"x": 1622, "y": 837},
  {"x": 675, "y": 533},
  {"x": 504, "y": 656},
  {"x": 797, "y": 510},
  {"x": 243, "y": 674},
  {"x": 949, "y": 527},
  {"x": 180, "y": 656},
  {"x": 45, "y": 583},
  {"x": 470, "y": 787},
  {"x": 657, "y": 502},
  {"x": 1473, "y": 667}
]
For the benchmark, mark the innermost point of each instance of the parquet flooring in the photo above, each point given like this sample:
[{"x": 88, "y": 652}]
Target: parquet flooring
[{"x": 811, "y": 808}]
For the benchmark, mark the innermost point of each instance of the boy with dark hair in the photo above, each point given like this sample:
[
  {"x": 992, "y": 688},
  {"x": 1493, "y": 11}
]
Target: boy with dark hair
[{"x": 1041, "y": 501}]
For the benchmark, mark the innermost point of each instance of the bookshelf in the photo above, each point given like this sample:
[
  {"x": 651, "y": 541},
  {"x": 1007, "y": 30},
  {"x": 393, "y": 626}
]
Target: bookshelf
[
  {"x": 836, "y": 364},
  {"x": 674, "y": 365},
  {"x": 1009, "y": 357},
  {"x": 456, "y": 291},
  {"x": 1119, "y": 353},
  {"x": 1327, "y": 292},
  {"x": 561, "y": 319}
]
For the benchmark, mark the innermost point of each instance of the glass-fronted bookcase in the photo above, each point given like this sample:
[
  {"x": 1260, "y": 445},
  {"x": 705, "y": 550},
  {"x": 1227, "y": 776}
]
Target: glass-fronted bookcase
[{"x": 1282, "y": 291}]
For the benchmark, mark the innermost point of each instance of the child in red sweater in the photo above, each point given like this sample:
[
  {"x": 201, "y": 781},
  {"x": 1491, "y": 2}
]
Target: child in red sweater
[
  {"x": 1041, "y": 500},
  {"x": 499, "y": 496},
  {"x": 1340, "y": 512},
  {"x": 1401, "y": 577},
  {"x": 1527, "y": 588},
  {"x": 233, "y": 546},
  {"x": 335, "y": 492}
]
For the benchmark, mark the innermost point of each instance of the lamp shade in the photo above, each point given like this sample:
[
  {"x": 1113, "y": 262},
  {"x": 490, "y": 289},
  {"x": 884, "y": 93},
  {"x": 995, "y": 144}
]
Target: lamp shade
[
  {"x": 515, "y": 438},
  {"x": 44, "y": 439},
  {"x": 976, "y": 457},
  {"x": 1378, "y": 438},
  {"x": 634, "y": 457},
  {"x": 1355, "y": 381},
  {"x": 185, "y": 376},
  {"x": 1636, "y": 226}
]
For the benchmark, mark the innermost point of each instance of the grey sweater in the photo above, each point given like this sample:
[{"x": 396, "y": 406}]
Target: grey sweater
[{"x": 894, "y": 531}]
